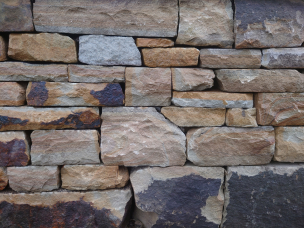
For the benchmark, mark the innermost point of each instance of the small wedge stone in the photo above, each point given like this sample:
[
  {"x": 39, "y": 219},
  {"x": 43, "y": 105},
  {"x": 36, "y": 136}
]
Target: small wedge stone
[
  {"x": 12, "y": 94},
  {"x": 238, "y": 117},
  {"x": 154, "y": 42},
  {"x": 3, "y": 178},
  {"x": 3, "y": 49}
]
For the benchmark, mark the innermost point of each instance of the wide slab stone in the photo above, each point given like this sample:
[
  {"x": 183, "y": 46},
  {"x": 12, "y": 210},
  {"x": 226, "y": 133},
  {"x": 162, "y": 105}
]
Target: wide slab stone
[
  {"x": 264, "y": 196},
  {"x": 186, "y": 196},
  {"x": 65, "y": 147},
  {"x": 226, "y": 146},
  {"x": 170, "y": 57},
  {"x": 140, "y": 137},
  {"x": 3, "y": 49},
  {"x": 3, "y": 178},
  {"x": 34, "y": 178},
  {"x": 238, "y": 117},
  {"x": 30, "y": 118},
  {"x": 45, "y": 47},
  {"x": 66, "y": 209},
  {"x": 205, "y": 23},
  {"x": 108, "y": 50},
  {"x": 213, "y": 99},
  {"x": 154, "y": 42},
  {"x": 12, "y": 93},
  {"x": 93, "y": 177},
  {"x": 148, "y": 86}
]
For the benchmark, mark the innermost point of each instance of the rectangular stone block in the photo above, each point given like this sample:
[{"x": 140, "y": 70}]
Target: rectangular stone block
[
  {"x": 65, "y": 147},
  {"x": 3, "y": 178},
  {"x": 154, "y": 42},
  {"x": 12, "y": 94},
  {"x": 3, "y": 49},
  {"x": 238, "y": 117}
]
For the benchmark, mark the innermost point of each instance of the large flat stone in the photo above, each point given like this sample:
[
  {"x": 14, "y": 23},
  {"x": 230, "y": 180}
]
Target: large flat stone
[
  {"x": 3, "y": 178},
  {"x": 12, "y": 93},
  {"x": 226, "y": 146},
  {"x": 3, "y": 49},
  {"x": 65, "y": 147},
  {"x": 238, "y": 117},
  {"x": 154, "y": 42},
  {"x": 139, "y": 137},
  {"x": 179, "y": 196}
]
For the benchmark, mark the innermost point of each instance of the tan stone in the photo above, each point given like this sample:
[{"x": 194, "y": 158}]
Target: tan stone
[
  {"x": 170, "y": 57},
  {"x": 154, "y": 42},
  {"x": 42, "y": 47},
  {"x": 195, "y": 117},
  {"x": 12, "y": 94},
  {"x": 3, "y": 49},
  {"x": 3, "y": 178},
  {"x": 238, "y": 117}
]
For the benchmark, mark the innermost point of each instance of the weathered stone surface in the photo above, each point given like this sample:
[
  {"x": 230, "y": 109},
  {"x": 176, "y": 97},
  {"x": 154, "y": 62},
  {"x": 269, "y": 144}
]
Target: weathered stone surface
[
  {"x": 186, "y": 196},
  {"x": 154, "y": 42},
  {"x": 206, "y": 23},
  {"x": 140, "y": 137},
  {"x": 42, "y": 47},
  {"x": 260, "y": 80},
  {"x": 14, "y": 149},
  {"x": 3, "y": 49},
  {"x": 238, "y": 117},
  {"x": 66, "y": 209},
  {"x": 65, "y": 147},
  {"x": 96, "y": 74},
  {"x": 93, "y": 177},
  {"x": 264, "y": 196},
  {"x": 195, "y": 117},
  {"x": 33, "y": 178},
  {"x": 226, "y": 146},
  {"x": 170, "y": 57},
  {"x": 12, "y": 93},
  {"x": 274, "y": 23},
  {"x": 108, "y": 50},
  {"x": 74, "y": 94},
  {"x": 3, "y": 178},
  {"x": 230, "y": 58},
  {"x": 30, "y": 118},
  {"x": 135, "y": 224},
  {"x": 213, "y": 99},
  {"x": 123, "y": 18},
  {"x": 185, "y": 79},
  {"x": 16, "y": 16},
  {"x": 148, "y": 86}
]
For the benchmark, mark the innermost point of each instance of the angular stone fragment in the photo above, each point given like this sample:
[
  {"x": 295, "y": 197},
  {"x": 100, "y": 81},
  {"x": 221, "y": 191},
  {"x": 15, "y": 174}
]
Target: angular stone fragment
[
  {"x": 154, "y": 42},
  {"x": 226, "y": 146},
  {"x": 66, "y": 209},
  {"x": 238, "y": 117},
  {"x": 65, "y": 147},
  {"x": 3, "y": 49},
  {"x": 42, "y": 47},
  {"x": 3, "y": 178},
  {"x": 264, "y": 196},
  {"x": 195, "y": 117},
  {"x": 29, "y": 118},
  {"x": 33, "y": 178},
  {"x": 170, "y": 57},
  {"x": 148, "y": 86},
  {"x": 12, "y": 94},
  {"x": 179, "y": 196},
  {"x": 140, "y": 137},
  {"x": 108, "y": 50},
  {"x": 213, "y": 99}
]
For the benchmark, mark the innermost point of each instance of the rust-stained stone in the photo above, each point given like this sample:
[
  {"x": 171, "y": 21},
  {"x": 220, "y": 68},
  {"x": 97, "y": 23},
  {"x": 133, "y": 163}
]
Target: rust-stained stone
[
  {"x": 3, "y": 178},
  {"x": 154, "y": 42},
  {"x": 3, "y": 49},
  {"x": 238, "y": 117},
  {"x": 12, "y": 94}
]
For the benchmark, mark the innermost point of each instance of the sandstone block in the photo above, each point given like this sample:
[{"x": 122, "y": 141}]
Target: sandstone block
[
  {"x": 179, "y": 196},
  {"x": 148, "y": 86},
  {"x": 65, "y": 147},
  {"x": 170, "y": 57},
  {"x": 154, "y": 42},
  {"x": 3, "y": 49},
  {"x": 206, "y": 23},
  {"x": 140, "y": 137},
  {"x": 3, "y": 178},
  {"x": 42, "y": 47},
  {"x": 237, "y": 117},
  {"x": 12, "y": 94},
  {"x": 108, "y": 50},
  {"x": 30, "y": 118},
  {"x": 227, "y": 146},
  {"x": 33, "y": 178}
]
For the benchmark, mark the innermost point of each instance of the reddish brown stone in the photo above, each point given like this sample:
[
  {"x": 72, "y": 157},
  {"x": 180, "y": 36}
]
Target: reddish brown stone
[
  {"x": 3, "y": 49},
  {"x": 154, "y": 42},
  {"x": 3, "y": 178}
]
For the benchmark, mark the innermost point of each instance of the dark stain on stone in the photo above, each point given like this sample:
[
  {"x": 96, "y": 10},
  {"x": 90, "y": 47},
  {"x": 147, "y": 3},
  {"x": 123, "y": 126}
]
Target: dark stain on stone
[
  {"x": 13, "y": 153},
  {"x": 111, "y": 95},
  {"x": 7, "y": 121},
  {"x": 38, "y": 94},
  {"x": 243, "y": 113}
]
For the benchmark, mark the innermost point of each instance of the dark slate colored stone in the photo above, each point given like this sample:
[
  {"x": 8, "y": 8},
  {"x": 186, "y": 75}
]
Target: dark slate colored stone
[
  {"x": 13, "y": 153},
  {"x": 111, "y": 95},
  {"x": 7, "y": 121},
  {"x": 38, "y": 94}
]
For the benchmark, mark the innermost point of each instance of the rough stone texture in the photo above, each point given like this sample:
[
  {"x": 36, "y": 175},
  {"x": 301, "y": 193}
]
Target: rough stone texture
[
  {"x": 42, "y": 47},
  {"x": 148, "y": 86},
  {"x": 140, "y": 137},
  {"x": 260, "y": 80},
  {"x": 195, "y": 117},
  {"x": 66, "y": 209},
  {"x": 230, "y": 58},
  {"x": 93, "y": 177},
  {"x": 226, "y": 146},
  {"x": 154, "y": 42},
  {"x": 213, "y": 99},
  {"x": 30, "y": 118},
  {"x": 96, "y": 74},
  {"x": 12, "y": 93},
  {"x": 108, "y": 50},
  {"x": 170, "y": 57},
  {"x": 33, "y": 178},
  {"x": 14, "y": 148},
  {"x": 264, "y": 196},
  {"x": 16, "y": 16},
  {"x": 3, "y": 178},
  {"x": 3, "y": 49},
  {"x": 123, "y": 18},
  {"x": 185, "y": 79},
  {"x": 186, "y": 196},
  {"x": 273, "y": 23},
  {"x": 206, "y": 23},
  {"x": 74, "y": 94},
  {"x": 237, "y": 117},
  {"x": 65, "y": 147}
]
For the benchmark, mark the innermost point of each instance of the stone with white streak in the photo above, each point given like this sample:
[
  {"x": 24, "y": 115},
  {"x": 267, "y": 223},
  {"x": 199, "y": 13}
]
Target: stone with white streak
[{"x": 238, "y": 117}]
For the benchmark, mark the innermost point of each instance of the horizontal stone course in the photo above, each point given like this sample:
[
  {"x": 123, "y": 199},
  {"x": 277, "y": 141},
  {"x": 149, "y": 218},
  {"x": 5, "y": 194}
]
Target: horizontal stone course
[
  {"x": 12, "y": 94},
  {"x": 3, "y": 49}
]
